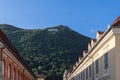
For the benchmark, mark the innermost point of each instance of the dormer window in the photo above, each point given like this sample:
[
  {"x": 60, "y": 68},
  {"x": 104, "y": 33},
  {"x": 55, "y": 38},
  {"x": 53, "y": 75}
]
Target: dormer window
[
  {"x": 85, "y": 52},
  {"x": 80, "y": 59},
  {"x": 76, "y": 63},
  {"x": 93, "y": 41},
  {"x": 99, "y": 34},
  {"x": 74, "y": 66},
  {"x": 89, "y": 46}
]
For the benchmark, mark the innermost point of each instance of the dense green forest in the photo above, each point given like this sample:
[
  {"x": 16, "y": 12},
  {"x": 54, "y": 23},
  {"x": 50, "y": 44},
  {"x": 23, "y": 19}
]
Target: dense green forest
[{"x": 49, "y": 51}]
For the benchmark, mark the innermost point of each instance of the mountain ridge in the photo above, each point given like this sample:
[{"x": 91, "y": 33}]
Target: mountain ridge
[{"x": 49, "y": 51}]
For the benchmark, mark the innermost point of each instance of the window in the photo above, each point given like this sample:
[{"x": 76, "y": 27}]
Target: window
[
  {"x": 20, "y": 76},
  {"x": 86, "y": 73},
  {"x": 78, "y": 76},
  {"x": 3, "y": 67},
  {"x": 81, "y": 75},
  {"x": 90, "y": 71},
  {"x": 14, "y": 74},
  {"x": 9, "y": 71},
  {"x": 75, "y": 77},
  {"x": 93, "y": 69},
  {"x": 97, "y": 66},
  {"x": 106, "y": 61}
]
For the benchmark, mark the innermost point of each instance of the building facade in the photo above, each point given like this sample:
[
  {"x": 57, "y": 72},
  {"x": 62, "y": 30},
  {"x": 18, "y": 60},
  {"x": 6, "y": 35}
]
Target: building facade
[
  {"x": 12, "y": 65},
  {"x": 101, "y": 60}
]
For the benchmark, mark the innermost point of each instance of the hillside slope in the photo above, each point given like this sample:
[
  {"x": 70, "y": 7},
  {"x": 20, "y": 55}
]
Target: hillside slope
[{"x": 49, "y": 51}]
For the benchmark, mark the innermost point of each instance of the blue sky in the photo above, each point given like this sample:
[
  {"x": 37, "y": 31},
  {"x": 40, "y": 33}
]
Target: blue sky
[{"x": 83, "y": 16}]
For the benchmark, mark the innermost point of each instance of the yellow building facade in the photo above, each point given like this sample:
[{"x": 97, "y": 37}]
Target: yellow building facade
[{"x": 102, "y": 59}]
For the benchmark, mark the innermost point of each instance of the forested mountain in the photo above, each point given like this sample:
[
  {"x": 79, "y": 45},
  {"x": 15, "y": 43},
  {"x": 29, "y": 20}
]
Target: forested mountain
[{"x": 49, "y": 51}]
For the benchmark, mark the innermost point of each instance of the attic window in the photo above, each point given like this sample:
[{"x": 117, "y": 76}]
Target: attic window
[
  {"x": 93, "y": 41},
  {"x": 89, "y": 46},
  {"x": 85, "y": 53},
  {"x": 99, "y": 34}
]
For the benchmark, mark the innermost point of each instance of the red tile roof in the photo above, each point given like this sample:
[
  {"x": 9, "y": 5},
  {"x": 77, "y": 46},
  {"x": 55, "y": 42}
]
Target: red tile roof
[
  {"x": 94, "y": 40},
  {"x": 116, "y": 22},
  {"x": 100, "y": 32},
  {"x": 81, "y": 58},
  {"x": 85, "y": 51}
]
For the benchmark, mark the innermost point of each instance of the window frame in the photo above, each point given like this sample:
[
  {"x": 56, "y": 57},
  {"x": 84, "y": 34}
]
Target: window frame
[
  {"x": 9, "y": 71},
  {"x": 106, "y": 66},
  {"x": 3, "y": 67},
  {"x": 90, "y": 71},
  {"x": 86, "y": 73},
  {"x": 97, "y": 66}
]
